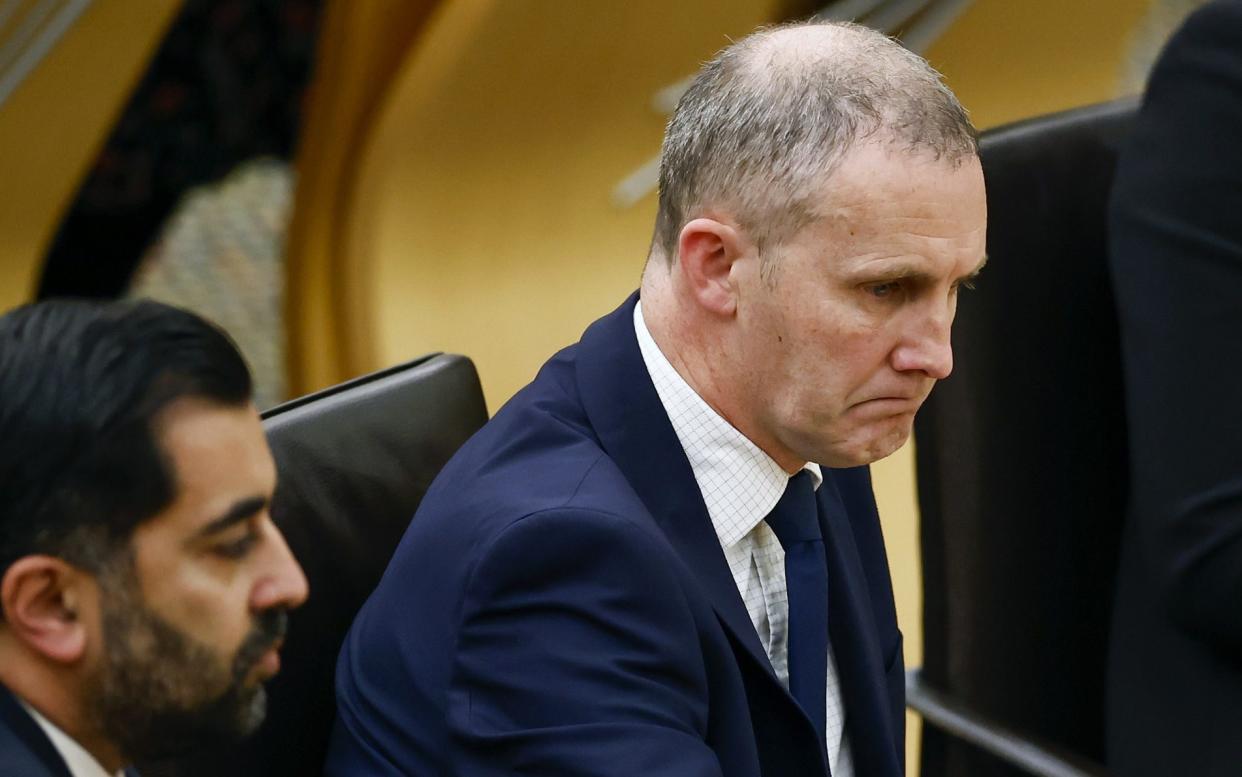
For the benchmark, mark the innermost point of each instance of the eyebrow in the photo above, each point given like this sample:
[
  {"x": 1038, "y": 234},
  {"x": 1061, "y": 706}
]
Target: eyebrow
[
  {"x": 906, "y": 270},
  {"x": 240, "y": 511},
  {"x": 899, "y": 270},
  {"x": 978, "y": 269}
]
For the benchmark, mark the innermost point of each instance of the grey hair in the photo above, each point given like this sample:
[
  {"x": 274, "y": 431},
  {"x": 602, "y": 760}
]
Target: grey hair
[{"x": 766, "y": 121}]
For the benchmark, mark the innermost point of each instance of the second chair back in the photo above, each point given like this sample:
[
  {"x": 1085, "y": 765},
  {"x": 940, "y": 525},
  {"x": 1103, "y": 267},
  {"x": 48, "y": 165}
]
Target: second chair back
[
  {"x": 354, "y": 462},
  {"x": 1022, "y": 453}
]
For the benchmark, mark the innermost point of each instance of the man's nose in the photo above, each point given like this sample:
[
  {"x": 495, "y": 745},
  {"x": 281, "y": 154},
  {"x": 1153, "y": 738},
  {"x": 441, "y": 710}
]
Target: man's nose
[
  {"x": 282, "y": 582},
  {"x": 927, "y": 347}
]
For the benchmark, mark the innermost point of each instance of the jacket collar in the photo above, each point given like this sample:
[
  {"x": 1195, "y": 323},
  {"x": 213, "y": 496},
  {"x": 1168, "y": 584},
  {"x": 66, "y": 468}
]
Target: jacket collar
[
  {"x": 633, "y": 428},
  {"x": 852, "y": 629},
  {"x": 26, "y": 731}
]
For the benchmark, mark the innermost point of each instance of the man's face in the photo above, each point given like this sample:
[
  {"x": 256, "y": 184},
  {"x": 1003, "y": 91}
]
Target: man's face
[
  {"x": 844, "y": 343},
  {"x": 191, "y": 624}
]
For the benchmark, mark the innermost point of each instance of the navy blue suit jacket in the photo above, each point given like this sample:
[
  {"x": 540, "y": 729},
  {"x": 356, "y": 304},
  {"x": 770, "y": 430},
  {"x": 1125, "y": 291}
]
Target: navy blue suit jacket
[
  {"x": 560, "y": 605},
  {"x": 24, "y": 749}
]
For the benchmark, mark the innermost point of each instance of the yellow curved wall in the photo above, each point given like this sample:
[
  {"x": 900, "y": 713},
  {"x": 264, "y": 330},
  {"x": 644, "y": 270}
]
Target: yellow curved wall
[{"x": 53, "y": 125}]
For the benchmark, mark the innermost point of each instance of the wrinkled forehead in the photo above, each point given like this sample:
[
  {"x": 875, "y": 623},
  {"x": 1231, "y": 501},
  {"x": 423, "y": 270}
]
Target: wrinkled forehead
[{"x": 877, "y": 181}]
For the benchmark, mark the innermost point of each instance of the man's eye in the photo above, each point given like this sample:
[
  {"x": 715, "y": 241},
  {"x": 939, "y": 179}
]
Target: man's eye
[
  {"x": 883, "y": 290},
  {"x": 237, "y": 548}
]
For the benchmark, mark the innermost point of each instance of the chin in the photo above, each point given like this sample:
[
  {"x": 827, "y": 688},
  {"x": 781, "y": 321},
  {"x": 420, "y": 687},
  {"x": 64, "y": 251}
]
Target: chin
[{"x": 880, "y": 444}]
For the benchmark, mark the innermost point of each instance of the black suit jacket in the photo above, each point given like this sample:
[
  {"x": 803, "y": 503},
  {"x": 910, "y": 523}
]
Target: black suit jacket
[
  {"x": 25, "y": 751},
  {"x": 1175, "y": 675},
  {"x": 560, "y": 605}
]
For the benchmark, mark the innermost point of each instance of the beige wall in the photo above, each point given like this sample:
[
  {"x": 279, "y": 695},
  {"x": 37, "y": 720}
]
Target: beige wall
[
  {"x": 52, "y": 127},
  {"x": 484, "y": 210}
]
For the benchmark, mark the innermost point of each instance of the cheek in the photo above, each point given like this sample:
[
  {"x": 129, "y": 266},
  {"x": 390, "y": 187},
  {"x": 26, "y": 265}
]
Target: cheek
[
  {"x": 845, "y": 359},
  {"x": 212, "y": 609}
]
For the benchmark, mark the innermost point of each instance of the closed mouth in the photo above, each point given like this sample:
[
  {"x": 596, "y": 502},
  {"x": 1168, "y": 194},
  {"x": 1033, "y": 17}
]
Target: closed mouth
[{"x": 898, "y": 405}]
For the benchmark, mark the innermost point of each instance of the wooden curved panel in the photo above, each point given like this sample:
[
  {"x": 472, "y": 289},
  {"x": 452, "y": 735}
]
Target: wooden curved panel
[{"x": 361, "y": 47}]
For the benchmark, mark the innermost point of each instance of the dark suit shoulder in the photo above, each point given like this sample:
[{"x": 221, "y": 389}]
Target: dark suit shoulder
[
  {"x": 854, "y": 483},
  {"x": 1217, "y": 21},
  {"x": 1176, "y": 256},
  {"x": 858, "y": 497},
  {"x": 1181, "y": 155},
  {"x": 537, "y": 454},
  {"x": 575, "y": 544},
  {"x": 575, "y": 615},
  {"x": 24, "y": 749}
]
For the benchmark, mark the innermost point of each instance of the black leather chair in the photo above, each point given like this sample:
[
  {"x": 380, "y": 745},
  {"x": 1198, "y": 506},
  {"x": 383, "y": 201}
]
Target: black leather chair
[
  {"x": 354, "y": 463},
  {"x": 1021, "y": 458}
]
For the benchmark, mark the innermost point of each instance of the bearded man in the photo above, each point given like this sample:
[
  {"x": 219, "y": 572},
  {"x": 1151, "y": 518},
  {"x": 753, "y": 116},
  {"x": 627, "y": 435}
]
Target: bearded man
[{"x": 143, "y": 586}]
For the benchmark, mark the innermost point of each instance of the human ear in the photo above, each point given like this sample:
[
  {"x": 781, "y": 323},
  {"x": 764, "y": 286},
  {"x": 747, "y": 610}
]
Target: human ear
[
  {"x": 707, "y": 249},
  {"x": 42, "y": 597}
]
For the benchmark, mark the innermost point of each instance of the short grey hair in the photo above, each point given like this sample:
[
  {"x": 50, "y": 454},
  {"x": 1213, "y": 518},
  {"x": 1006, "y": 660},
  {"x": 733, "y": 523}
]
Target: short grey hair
[{"x": 766, "y": 121}]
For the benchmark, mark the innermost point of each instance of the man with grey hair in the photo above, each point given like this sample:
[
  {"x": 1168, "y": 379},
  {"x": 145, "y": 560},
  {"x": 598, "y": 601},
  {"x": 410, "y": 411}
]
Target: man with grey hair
[{"x": 662, "y": 557}]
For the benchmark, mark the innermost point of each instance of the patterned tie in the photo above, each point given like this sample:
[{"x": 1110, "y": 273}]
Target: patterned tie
[{"x": 795, "y": 521}]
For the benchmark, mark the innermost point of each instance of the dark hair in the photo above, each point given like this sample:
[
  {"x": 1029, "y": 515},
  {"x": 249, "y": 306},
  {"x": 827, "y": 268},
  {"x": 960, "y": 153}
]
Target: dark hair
[
  {"x": 764, "y": 123},
  {"x": 81, "y": 386}
]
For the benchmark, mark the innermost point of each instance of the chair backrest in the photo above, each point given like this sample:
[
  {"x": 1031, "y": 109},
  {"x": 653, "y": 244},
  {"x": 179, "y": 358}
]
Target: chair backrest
[
  {"x": 1021, "y": 453},
  {"x": 354, "y": 463}
]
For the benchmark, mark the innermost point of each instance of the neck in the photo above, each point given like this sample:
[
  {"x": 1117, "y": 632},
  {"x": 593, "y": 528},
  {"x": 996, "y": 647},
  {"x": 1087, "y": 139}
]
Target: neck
[
  {"x": 694, "y": 345},
  {"x": 50, "y": 691},
  {"x": 685, "y": 339}
]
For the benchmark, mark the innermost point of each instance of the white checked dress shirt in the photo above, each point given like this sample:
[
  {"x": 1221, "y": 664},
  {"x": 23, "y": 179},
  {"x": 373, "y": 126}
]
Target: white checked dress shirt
[{"x": 740, "y": 485}]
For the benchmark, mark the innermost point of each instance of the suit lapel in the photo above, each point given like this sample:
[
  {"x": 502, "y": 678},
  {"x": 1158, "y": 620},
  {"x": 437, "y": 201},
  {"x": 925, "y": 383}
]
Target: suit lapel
[
  {"x": 634, "y": 429},
  {"x": 852, "y": 628},
  {"x": 26, "y": 734}
]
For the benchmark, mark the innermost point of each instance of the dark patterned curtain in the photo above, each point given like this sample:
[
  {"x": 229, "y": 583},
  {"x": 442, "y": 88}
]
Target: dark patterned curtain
[{"x": 225, "y": 86}]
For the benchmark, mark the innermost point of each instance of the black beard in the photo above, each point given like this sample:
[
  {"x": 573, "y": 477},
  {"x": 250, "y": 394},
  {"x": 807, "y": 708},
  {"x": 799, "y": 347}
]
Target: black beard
[{"x": 161, "y": 693}]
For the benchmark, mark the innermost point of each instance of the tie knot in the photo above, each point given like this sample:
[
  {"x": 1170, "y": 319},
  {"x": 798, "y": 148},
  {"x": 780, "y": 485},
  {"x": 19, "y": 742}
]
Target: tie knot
[{"x": 795, "y": 518}]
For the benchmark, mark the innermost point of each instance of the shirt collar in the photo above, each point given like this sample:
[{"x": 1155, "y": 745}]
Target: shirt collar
[
  {"x": 739, "y": 482},
  {"x": 80, "y": 762}
]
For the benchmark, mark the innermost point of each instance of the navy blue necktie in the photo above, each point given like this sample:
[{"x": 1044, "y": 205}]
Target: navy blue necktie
[{"x": 795, "y": 521}]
